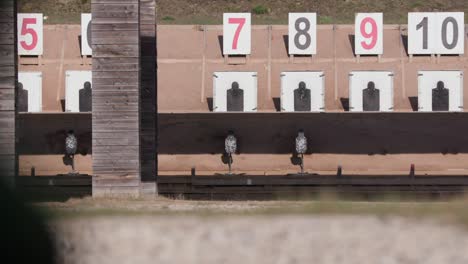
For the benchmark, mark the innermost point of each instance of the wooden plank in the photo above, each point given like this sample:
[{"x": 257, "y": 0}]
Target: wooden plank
[
  {"x": 148, "y": 92},
  {"x": 115, "y": 108},
  {"x": 112, "y": 50},
  {"x": 8, "y": 77}
]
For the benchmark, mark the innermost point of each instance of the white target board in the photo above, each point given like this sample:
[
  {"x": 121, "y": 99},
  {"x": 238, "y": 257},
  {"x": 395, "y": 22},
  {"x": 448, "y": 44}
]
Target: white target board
[
  {"x": 436, "y": 33},
  {"x": 30, "y": 34},
  {"x": 86, "y": 49},
  {"x": 32, "y": 83},
  {"x": 234, "y": 91},
  {"x": 368, "y": 34},
  {"x": 292, "y": 97},
  {"x": 302, "y": 33},
  {"x": 431, "y": 85},
  {"x": 75, "y": 81},
  {"x": 236, "y": 33},
  {"x": 364, "y": 97}
]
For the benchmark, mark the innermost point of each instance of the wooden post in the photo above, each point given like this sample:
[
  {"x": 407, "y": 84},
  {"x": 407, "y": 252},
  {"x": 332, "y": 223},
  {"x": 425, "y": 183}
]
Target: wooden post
[
  {"x": 116, "y": 97},
  {"x": 148, "y": 95},
  {"x": 8, "y": 80}
]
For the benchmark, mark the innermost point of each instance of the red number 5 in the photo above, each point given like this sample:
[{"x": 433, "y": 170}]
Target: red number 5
[
  {"x": 241, "y": 22},
  {"x": 25, "y": 30},
  {"x": 373, "y": 34}
]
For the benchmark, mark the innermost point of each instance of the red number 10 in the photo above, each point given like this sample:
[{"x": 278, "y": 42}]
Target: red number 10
[
  {"x": 373, "y": 34},
  {"x": 241, "y": 22},
  {"x": 25, "y": 30}
]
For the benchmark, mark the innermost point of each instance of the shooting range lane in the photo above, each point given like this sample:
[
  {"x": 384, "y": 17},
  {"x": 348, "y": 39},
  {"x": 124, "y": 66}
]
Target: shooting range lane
[{"x": 187, "y": 58}]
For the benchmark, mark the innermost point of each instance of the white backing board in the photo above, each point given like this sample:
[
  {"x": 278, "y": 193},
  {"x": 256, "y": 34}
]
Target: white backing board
[
  {"x": 74, "y": 82},
  {"x": 222, "y": 81},
  {"x": 315, "y": 82},
  {"x": 453, "y": 81},
  {"x": 32, "y": 82},
  {"x": 359, "y": 80}
]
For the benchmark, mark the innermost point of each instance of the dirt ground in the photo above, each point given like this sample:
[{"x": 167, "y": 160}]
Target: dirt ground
[
  {"x": 264, "y": 12},
  {"x": 259, "y": 239},
  {"x": 177, "y": 231}
]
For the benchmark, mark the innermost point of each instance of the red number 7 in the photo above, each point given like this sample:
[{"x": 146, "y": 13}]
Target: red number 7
[{"x": 241, "y": 22}]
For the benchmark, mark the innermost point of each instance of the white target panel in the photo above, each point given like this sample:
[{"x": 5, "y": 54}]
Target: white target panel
[
  {"x": 360, "y": 88},
  {"x": 368, "y": 34},
  {"x": 86, "y": 49},
  {"x": 302, "y": 36},
  {"x": 32, "y": 83},
  {"x": 30, "y": 34},
  {"x": 236, "y": 33},
  {"x": 431, "y": 85},
  {"x": 227, "y": 86},
  {"x": 436, "y": 33},
  {"x": 292, "y": 97},
  {"x": 75, "y": 81}
]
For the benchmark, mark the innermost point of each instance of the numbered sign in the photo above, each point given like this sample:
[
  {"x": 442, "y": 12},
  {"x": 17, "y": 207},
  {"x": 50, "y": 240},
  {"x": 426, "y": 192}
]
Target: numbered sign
[
  {"x": 86, "y": 35},
  {"x": 436, "y": 33},
  {"x": 371, "y": 91},
  {"x": 302, "y": 33},
  {"x": 29, "y": 91},
  {"x": 440, "y": 91},
  {"x": 78, "y": 85},
  {"x": 368, "y": 34},
  {"x": 235, "y": 92},
  {"x": 236, "y": 33},
  {"x": 30, "y": 34},
  {"x": 302, "y": 91}
]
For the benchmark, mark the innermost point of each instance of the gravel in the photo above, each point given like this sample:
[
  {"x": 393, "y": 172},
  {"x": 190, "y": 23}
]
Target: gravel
[{"x": 258, "y": 239}]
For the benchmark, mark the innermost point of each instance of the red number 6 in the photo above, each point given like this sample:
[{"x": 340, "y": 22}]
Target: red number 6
[
  {"x": 372, "y": 35},
  {"x": 25, "y": 30},
  {"x": 241, "y": 22}
]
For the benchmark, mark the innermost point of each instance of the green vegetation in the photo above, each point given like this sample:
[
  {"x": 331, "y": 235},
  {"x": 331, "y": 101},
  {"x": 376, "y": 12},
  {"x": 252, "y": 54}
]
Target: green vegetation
[
  {"x": 260, "y": 10},
  {"x": 168, "y": 18},
  {"x": 276, "y": 12}
]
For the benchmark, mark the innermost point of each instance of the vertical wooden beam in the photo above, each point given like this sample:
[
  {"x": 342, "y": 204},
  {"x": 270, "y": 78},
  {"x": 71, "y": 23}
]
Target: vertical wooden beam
[
  {"x": 148, "y": 95},
  {"x": 8, "y": 80},
  {"x": 116, "y": 97}
]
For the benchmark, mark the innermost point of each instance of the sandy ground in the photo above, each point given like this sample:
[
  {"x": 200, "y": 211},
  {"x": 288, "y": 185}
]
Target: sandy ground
[{"x": 258, "y": 239}]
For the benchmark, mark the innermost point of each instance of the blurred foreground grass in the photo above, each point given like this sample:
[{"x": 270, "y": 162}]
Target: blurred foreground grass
[{"x": 453, "y": 212}]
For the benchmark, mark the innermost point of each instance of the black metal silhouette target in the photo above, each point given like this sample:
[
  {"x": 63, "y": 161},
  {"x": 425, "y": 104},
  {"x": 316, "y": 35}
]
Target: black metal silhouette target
[
  {"x": 85, "y": 97},
  {"x": 22, "y": 98},
  {"x": 235, "y": 98},
  {"x": 371, "y": 98},
  {"x": 302, "y": 98},
  {"x": 440, "y": 97}
]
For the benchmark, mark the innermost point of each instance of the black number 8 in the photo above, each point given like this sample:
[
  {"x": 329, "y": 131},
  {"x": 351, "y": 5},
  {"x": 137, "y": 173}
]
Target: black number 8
[{"x": 302, "y": 32}]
